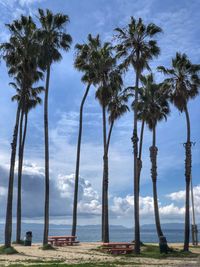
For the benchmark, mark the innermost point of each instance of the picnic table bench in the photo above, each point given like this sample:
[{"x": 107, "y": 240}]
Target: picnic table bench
[
  {"x": 62, "y": 240},
  {"x": 118, "y": 247}
]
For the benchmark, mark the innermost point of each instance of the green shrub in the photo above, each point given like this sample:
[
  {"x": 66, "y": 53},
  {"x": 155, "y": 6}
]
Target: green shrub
[{"x": 9, "y": 250}]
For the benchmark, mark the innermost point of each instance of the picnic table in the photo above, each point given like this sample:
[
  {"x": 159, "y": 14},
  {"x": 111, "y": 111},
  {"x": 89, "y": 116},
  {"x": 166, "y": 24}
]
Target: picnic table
[
  {"x": 62, "y": 240},
  {"x": 118, "y": 247}
]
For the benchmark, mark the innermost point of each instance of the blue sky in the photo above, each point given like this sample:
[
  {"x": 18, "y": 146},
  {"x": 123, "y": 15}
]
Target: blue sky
[{"x": 179, "y": 21}]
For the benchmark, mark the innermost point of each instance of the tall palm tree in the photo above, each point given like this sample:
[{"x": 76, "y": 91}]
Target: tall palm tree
[
  {"x": 85, "y": 61},
  {"x": 137, "y": 47},
  {"x": 20, "y": 55},
  {"x": 184, "y": 81},
  {"x": 115, "y": 102},
  {"x": 53, "y": 39},
  {"x": 153, "y": 107},
  {"x": 105, "y": 70},
  {"x": 31, "y": 101}
]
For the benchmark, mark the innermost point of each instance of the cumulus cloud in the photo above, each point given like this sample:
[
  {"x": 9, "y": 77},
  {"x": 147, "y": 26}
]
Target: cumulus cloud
[
  {"x": 171, "y": 210},
  {"x": 89, "y": 201},
  {"x": 124, "y": 206},
  {"x": 61, "y": 194},
  {"x": 180, "y": 195}
]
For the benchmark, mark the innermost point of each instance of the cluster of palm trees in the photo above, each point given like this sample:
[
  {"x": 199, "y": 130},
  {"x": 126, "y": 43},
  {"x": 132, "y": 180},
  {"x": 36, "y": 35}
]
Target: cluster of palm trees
[{"x": 29, "y": 55}]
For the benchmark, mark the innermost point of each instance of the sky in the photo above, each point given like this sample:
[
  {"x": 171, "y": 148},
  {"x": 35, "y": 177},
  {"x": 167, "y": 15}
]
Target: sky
[{"x": 179, "y": 21}]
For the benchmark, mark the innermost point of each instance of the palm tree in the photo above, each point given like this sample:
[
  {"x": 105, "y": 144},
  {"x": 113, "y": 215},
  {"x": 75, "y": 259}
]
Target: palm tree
[
  {"x": 184, "y": 82},
  {"x": 85, "y": 62},
  {"x": 53, "y": 39},
  {"x": 136, "y": 47},
  {"x": 114, "y": 102},
  {"x": 20, "y": 55},
  {"x": 153, "y": 107},
  {"x": 106, "y": 72},
  {"x": 31, "y": 101}
]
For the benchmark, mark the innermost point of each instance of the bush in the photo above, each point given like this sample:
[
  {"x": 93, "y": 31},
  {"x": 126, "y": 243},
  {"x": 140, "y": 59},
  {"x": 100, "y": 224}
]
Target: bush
[
  {"x": 47, "y": 247},
  {"x": 9, "y": 250}
]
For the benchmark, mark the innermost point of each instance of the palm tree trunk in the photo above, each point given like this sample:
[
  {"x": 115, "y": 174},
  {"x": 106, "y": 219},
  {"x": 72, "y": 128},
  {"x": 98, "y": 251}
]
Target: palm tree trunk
[
  {"x": 194, "y": 226},
  {"x": 8, "y": 223},
  {"x": 153, "y": 156},
  {"x": 188, "y": 166},
  {"x": 109, "y": 136},
  {"x": 106, "y": 179},
  {"x": 46, "y": 137},
  {"x": 20, "y": 165},
  {"x": 140, "y": 153},
  {"x": 106, "y": 215},
  {"x": 136, "y": 182},
  {"x": 105, "y": 224},
  {"x": 18, "y": 225},
  {"x": 74, "y": 223}
]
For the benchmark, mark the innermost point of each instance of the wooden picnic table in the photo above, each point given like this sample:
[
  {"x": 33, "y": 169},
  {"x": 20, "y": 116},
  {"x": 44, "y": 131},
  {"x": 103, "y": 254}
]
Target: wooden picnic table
[
  {"x": 118, "y": 247},
  {"x": 62, "y": 240}
]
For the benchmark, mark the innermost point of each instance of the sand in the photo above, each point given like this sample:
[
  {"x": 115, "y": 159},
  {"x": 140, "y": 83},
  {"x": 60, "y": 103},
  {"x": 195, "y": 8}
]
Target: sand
[{"x": 86, "y": 252}]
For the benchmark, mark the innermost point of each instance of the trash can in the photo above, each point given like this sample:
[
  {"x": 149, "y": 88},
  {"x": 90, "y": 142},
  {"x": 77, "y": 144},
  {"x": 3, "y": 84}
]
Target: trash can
[
  {"x": 28, "y": 239},
  {"x": 163, "y": 244}
]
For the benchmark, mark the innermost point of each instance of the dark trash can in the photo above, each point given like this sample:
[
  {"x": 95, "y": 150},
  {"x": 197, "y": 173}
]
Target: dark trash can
[
  {"x": 28, "y": 239},
  {"x": 163, "y": 245}
]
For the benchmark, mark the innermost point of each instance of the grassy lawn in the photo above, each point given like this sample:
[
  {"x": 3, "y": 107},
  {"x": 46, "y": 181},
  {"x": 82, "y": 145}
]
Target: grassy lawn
[
  {"x": 152, "y": 251},
  {"x": 88, "y": 264},
  {"x": 4, "y": 250},
  {"x": 148, "y": 251}
]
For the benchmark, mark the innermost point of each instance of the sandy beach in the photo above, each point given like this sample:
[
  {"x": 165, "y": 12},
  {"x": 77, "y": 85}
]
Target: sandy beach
[{"x": 86, "y": 253}]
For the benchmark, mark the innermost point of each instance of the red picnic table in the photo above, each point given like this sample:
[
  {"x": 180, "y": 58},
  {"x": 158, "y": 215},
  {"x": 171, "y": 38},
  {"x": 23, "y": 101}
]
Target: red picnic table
[
  {"x": 118, "y": 247},
  {"x": 62, "y": 240}
]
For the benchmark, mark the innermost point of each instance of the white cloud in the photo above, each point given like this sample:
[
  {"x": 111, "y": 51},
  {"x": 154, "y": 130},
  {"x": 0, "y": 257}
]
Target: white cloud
[
  {"x": 66, "y": 126},
  {"x": 32, "y": 169},
  {"x": 177, "y": 196},
  {"x": 180, "y": 195},
  {"x": 171, "y": 210},
  {"x": 3, "y": 191},
  {"x": 22, "y": 3},
  {"x": 89, "y": 199},
  {"x": 124, "y": 206},
  {"x": 28, "y": 2}
]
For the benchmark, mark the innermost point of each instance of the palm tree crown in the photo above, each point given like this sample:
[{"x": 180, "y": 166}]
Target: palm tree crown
[
  {"x": 86, "y": 59},
  {"x": 108, "y": 74},
  {"x": 31, "y": 98},
  {"x": 136, "y": 46},
  {"x": 183, "y": 80},
  {"x": 152, "y": 104},
  {"x": 117, "y": 106},
  {"x": 52, "y": 37}
]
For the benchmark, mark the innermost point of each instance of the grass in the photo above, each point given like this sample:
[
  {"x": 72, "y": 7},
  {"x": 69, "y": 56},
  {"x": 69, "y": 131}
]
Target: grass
[
  {"x": 21, "y": 242},
  {"x": 87, "y": 264},
  {"x": 195, "y": 246},
  {"x": 153, "y": 251},
  {"x": 47, "y": 247},
  {"x": 148, "y": 251},
  {"x": 8, "y": 251}
]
